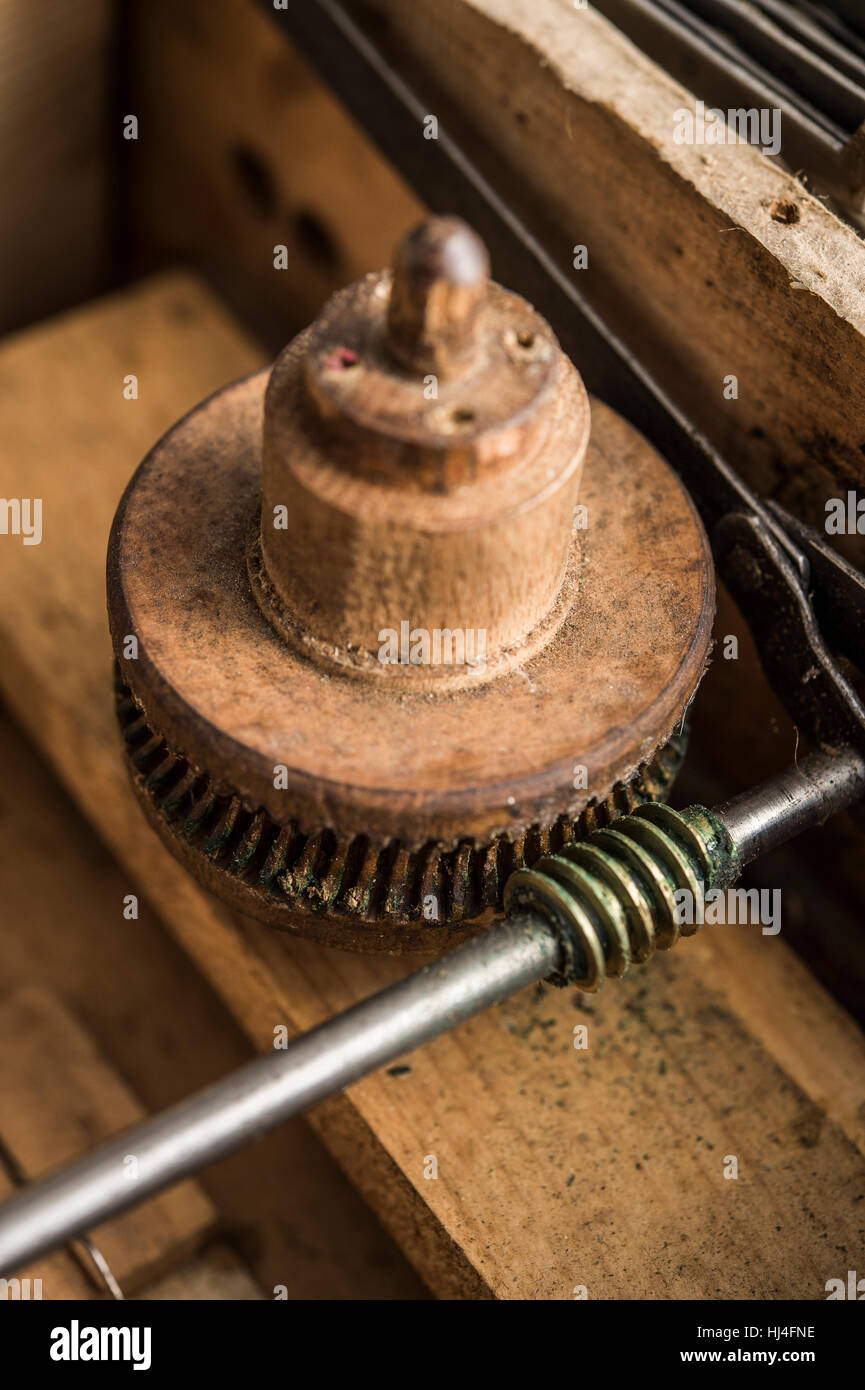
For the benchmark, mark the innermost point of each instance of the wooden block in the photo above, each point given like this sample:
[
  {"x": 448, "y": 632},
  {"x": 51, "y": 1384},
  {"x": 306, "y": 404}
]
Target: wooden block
[
  {"x": 556, "y": 1168},
  {"x": 55, "y": 132},
  {"x": 58, "y": 1099}
]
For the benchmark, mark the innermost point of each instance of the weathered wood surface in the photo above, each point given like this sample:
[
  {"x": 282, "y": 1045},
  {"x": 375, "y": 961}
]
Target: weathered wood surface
[
  {"x": 216, "y": 1276},
  {"x": 557, "y": 1168},
  {"x": 59, "y": 1095}
]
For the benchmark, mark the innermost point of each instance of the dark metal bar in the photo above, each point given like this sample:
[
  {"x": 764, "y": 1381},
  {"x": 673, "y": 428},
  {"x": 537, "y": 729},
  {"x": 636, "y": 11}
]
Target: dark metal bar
[{"x": 807, "y": 794}]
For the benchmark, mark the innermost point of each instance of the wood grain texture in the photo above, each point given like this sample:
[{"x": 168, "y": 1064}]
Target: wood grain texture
[
  {"x": 46, "y": 1111},
  {"x": 685, "y": 257},
  {"x": 556, "y": 1167}
]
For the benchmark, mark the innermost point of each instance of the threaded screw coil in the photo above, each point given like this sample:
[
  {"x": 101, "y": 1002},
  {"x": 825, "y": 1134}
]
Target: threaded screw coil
[{"x": 612, "y": 896}]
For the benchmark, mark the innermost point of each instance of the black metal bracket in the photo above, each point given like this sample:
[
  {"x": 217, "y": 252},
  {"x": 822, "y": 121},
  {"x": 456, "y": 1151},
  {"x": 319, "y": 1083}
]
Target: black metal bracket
[
  {"x": 783, "y": 574},
  {"x": 799, "y": 666}
]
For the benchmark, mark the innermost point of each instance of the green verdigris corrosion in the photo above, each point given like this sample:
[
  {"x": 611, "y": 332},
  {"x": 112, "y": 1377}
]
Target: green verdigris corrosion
[{"x": 722, "y": 863}]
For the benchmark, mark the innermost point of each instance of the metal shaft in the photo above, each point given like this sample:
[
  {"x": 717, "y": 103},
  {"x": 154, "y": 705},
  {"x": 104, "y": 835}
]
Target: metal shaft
[
  {"x": 766, "y": 816},
  {"x": 257, "y": 1097}
]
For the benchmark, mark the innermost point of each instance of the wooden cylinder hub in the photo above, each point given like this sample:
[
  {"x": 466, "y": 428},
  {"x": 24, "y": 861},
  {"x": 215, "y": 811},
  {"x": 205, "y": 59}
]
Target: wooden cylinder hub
[{"x": 423, "y": 448}]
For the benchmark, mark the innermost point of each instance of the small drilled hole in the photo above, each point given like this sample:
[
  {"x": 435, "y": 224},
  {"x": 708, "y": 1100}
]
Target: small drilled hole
[
  {"x": 315, "y": 241},
  {"x": 526, "y": 340},
  {"x": 782, "y": 210},
  {"x": 255, "y": 179},
  {"x": 463, "y": 416}
]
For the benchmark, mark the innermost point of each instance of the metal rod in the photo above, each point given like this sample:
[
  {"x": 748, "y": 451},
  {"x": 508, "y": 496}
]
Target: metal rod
[
  {"x": 257, "y": 1097},
  {"x": 260, "y": 1095},
  {"x": 804, "y": 795}
]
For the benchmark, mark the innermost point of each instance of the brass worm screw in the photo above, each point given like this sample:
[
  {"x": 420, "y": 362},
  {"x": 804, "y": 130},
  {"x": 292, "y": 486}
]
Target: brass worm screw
[{"x": 611, "y": 897}]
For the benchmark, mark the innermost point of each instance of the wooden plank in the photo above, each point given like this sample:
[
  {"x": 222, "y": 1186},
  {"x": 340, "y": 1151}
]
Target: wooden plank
[
  {"x": 215, "y": 1274},
  {"x": 685, "y": 257},
  {"x": 58, "y": 1098},
  {"x": 557, "y": 1168}
]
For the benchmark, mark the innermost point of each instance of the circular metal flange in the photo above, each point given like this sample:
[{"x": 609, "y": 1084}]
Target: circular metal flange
[{"x": 306, "y": 748}]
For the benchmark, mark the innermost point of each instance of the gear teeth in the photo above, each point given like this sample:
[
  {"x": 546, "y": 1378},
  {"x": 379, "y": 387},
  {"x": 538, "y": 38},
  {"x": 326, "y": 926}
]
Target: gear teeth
[
  {"x": 224, "y": 829},
  {"x": 148, "y": 754},
  {"x": 461, "y": 885},
  {"x": 137, "y": 728},
  {"x": 360, "y": 895},
  {"x": 333, "y": 878},
  {"x": 491, "y": 875},
  {"x": 249, "y": 843},
  {"x": 432, "y": 886},
  {"x": 168, "y": 766},
  {"x": 201, "y": 811},
  {"x": 296, "y": 880},
  {"x": 277, "y": 856},
  {"x": 398, "y": 885},
  {"x": 350, "y": 877},
  {"x": 180, "y": 794}
]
